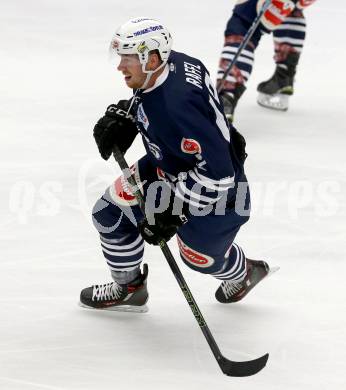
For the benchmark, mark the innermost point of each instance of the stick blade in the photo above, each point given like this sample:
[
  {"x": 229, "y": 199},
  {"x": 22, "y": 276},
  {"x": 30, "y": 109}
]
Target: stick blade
[{"x": 239, "y": 369}]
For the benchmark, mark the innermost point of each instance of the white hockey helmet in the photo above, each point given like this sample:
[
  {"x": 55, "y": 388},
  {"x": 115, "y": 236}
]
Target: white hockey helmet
[{"x": 140, "y": 36}]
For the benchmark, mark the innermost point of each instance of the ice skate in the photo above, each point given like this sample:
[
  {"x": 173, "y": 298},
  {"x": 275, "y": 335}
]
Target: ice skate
[
  {"x": 131, "y": 297},
  {"x": 277, "y": 101},
  {"x": 230, "y": 291},
  {"x": 230, "y": 100},
  {"x": 275, "y": 92}
]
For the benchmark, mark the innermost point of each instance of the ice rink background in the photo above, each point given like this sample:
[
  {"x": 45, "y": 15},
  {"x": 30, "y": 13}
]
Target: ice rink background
[{"x": 55, "y": 82}]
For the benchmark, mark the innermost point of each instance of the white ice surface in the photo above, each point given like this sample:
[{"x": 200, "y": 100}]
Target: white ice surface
[{"x": 55, "y": 82}]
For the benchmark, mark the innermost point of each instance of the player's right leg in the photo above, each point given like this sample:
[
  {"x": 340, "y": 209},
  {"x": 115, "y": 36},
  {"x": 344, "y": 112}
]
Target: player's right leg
[{"x": 115, "y": 216}]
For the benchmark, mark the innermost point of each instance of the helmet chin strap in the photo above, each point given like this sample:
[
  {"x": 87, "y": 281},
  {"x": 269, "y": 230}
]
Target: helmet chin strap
[
  {"x": 149, "y": 74},
  {"x": 147, "y": 79}
]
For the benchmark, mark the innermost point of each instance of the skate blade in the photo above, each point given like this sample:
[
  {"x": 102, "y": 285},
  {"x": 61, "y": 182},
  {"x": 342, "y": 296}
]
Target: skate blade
[
  {"x": 277, "y": 102},
  {"x": 121, "y": 308},
  {"x": 272, "y": 270}
]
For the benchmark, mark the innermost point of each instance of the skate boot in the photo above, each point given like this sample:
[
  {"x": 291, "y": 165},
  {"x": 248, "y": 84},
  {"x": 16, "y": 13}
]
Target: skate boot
[
  {"x": 230, "y": 291},
  {"x": 130, "y": 297},
  {"x": 230, "y": 100},
  {"x": 274, "y": 93}
]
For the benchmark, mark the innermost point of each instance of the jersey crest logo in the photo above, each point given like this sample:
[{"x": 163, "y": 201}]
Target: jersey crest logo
[
  {"x": 193, "y": 257},
  {"x": 141, "y": 117},
  {"x": 190, "y": 146}
]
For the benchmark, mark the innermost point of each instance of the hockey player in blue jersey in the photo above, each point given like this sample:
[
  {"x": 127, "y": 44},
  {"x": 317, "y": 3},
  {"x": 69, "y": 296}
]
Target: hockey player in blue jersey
[
  {"x": 192, "y": 176},
  {"x": 286, "y": 20}
]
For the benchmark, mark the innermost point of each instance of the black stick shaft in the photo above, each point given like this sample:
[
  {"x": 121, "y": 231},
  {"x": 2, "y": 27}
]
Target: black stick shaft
[
  {"x": 245, "y": 41},
  {"x": 169, "y": 257}
]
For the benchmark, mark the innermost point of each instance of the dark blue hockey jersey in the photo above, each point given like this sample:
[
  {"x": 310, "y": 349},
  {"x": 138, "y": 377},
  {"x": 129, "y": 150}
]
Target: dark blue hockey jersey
[
  {"x": 246, "y": 10},
  {"x": 186, "y": 134}
]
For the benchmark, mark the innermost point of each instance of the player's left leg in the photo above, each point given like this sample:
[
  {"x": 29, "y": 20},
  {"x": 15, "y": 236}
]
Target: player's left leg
[
  {"x": 289, "y": 39},
  {"x": 235, "y": 83},
  {"x": 233, "y": 290},
  {"x": 237, "y": 273},
  {"x": 207, "y": 245}
]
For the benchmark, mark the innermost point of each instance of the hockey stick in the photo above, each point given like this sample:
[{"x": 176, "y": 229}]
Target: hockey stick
[
  {"x": 228, "y": 367},
  {"x": 245, "y": 41}
]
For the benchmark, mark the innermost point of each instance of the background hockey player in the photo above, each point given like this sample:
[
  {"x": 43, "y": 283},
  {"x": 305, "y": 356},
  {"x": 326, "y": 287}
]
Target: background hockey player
[
  {"x": 286, "y": 20},
  {"x": 192, "y": 175}
]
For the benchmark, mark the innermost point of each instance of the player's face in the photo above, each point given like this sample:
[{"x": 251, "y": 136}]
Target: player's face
[{"x": 131, "y": 68}]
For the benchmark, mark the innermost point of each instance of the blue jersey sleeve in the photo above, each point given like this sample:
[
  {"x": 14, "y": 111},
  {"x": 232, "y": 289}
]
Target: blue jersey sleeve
[{"x": 201, "y": 138}]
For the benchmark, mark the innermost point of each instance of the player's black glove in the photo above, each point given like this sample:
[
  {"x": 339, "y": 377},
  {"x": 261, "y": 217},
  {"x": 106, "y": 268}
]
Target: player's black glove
[
  {"x": 115, "y": 128},
  {"x": 166, "y": 225},
  {"x": 239, "y": 144}
]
